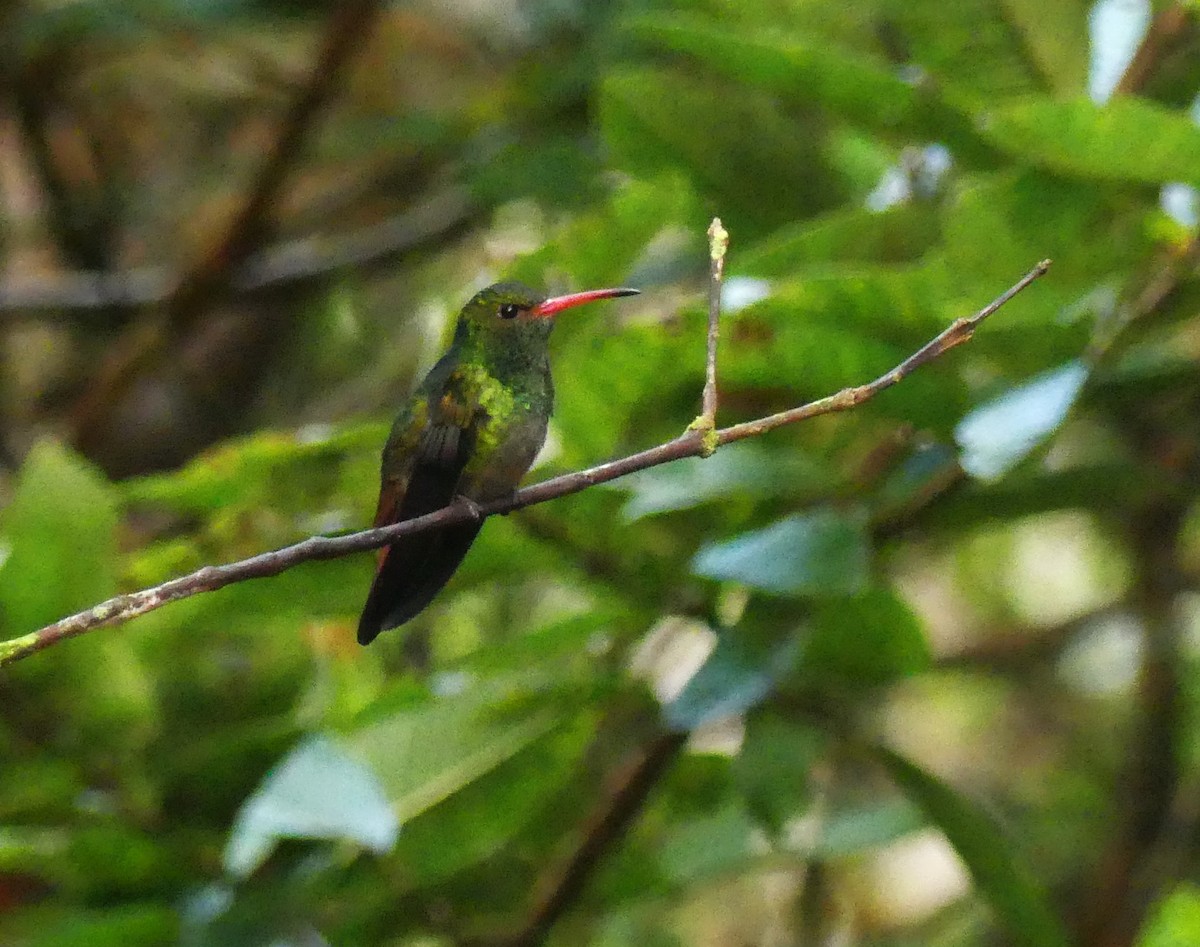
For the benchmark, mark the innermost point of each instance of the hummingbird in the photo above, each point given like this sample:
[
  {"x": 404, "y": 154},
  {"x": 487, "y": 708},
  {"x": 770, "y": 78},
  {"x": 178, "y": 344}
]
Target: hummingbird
[{"x": 468, "y": 433}]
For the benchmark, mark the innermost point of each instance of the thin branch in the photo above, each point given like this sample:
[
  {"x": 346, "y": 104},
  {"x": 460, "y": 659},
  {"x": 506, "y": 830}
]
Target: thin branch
[
  {"x": 689, "y": 444},
  {"x": 76, "y": 296},
  {"x": 718, "y": 245},
  {"x": 350, "y": 24}
]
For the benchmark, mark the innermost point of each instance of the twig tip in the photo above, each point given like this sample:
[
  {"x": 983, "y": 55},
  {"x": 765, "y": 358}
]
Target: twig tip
[{"x": 718, "y": 240}]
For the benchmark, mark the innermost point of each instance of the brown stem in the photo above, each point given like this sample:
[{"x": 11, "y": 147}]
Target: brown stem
[{"x": 689, "y": 444}]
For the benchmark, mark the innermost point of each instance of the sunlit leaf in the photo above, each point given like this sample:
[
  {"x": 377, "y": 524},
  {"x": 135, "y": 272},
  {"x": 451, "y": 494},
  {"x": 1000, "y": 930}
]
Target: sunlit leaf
[
  {"x": 316, "y": 792},
  {"x": 998, "y": 435},
  {"x": 58, "y": 532},
  {"x": 1175, "y": 921},
  {"x": 736, "y": 676},
  {"x": 1100, "y": 142},
  {"x": 822, "y": 554}
]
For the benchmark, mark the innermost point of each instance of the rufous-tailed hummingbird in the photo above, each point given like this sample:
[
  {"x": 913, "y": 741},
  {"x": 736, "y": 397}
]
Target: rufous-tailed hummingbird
[{"x": 471, "y": 430}]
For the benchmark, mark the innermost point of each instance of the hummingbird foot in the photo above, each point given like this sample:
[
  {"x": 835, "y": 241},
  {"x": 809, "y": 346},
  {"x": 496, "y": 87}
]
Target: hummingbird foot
[{"x": 473, "y": 508}]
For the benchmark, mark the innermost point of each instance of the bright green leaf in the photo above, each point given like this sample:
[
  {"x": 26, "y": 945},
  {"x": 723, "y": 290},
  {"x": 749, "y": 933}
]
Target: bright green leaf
[
  {"x": 1175, "y": 921},
  {"x": 1128, "y": 139},
  {"x": 59, "y": 532}
]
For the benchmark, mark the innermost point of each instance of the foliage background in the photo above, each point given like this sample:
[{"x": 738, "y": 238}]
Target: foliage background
[{"x": 947, "y": 640}]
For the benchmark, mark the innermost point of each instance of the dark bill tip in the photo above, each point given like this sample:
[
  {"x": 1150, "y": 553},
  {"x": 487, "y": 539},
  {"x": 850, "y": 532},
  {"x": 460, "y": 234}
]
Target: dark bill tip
[{"x": 556, "y": 304}]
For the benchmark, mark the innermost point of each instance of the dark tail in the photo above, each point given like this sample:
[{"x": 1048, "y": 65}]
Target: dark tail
[{"x": 412, "y": 573}]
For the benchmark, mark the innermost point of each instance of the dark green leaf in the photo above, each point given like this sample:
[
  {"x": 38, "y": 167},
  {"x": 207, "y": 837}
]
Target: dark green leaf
[
  {"x": 1007, "y": 886},
  {"x": 870, "y": 640}
]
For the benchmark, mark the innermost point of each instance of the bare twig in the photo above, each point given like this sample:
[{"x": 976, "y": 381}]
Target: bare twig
[
  {"x": 689, "y": 444},
  {"x": 718, "y": 244}
]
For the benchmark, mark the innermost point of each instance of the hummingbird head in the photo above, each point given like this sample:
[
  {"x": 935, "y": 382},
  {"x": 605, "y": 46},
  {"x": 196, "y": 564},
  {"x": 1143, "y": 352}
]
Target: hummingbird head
[
  {"x": 509, "y": 323},
  {"x": 504, "y": 306}
]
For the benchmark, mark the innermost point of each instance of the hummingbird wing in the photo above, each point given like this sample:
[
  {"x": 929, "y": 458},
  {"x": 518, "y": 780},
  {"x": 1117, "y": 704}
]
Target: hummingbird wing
[{"x": 413, "y": 570}]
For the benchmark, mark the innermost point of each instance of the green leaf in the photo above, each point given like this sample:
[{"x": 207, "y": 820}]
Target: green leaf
[
  {"x": 59, "y": 532},
  {"x": 772, "y": 768},
  {"x": 707, "y": 846},
  {"x": 483, "y": 816},
  {"x": 866, "y": 641},
  {"x": 1016, "y": 898},
  {"x": 128, "y": 925},
  {"x": 424, "y": 755},
  {"x": 998, "y": 225},
  {"x": 998, "y": 435},
  {"x": 807, "y": 69},
  {"x": 822, "y": 554},
  {"x": 316, "y": 792},
  {"x": 899, "y": 234},
  {"x": 1128, "y": 139},
  {"x": 736, "y": 676},
  {"x": 1175, "y": 921},
  {"x": 1055, "y": 37},
  {"x": 658, "y": 119},
  {"x": 744, "y": 468}
]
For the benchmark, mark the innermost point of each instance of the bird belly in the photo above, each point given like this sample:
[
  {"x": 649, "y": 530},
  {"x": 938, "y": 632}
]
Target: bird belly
[{"x": 504, "y": 453}]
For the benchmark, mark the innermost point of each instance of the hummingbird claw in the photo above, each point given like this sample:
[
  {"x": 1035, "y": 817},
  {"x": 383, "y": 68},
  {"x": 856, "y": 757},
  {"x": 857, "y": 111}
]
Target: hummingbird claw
[{"x": 471, "y": 507}]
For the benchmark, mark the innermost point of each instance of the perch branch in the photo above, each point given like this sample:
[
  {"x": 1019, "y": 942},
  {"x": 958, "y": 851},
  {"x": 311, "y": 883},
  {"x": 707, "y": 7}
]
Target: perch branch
[{"x": 691, "y": 443}]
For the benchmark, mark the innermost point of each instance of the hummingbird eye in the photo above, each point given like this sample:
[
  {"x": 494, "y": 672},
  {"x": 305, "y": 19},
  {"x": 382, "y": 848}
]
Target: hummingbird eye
[{"x": 509, "y": 310}]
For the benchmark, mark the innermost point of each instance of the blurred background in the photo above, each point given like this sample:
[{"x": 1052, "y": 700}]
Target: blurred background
[{"x": 923, "y": 673}]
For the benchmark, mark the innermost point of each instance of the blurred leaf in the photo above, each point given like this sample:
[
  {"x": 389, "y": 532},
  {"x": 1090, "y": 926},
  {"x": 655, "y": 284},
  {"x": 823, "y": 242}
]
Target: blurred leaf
[
  {"x": 804, "y": 68},
  {"x": 744, "y": 468},
  {"x": 486, "y": 814},
  {"x": 1017, "y": 899},
  {"x": 657, "y": 119},
  {"x": 424, "y": 755},
  {"x": 999, "y": 224},
  {"x": 772, "y": 767},
  {"x": 736, "y": 676},
  {"x": 59, "y": 531},
  {"x": 257, "y": 468},
  {"x": 968, "y": 47},
  {"x": 708, "y": 846},
  {"x": 998, "y": 435},
  {"x": 316, "y": 792},
  {"x": 822, "y": 554},
  {"x": 899, "y": 234},
  {"x": 866, "y": 641},
  {"x": 128, "y": 925},
  {"x": 1128, "y": 139},
  {"x": 1055, "y": 39},
  {"x": 853, "y": 830},
  {"x": 1175, "y": 920}
]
